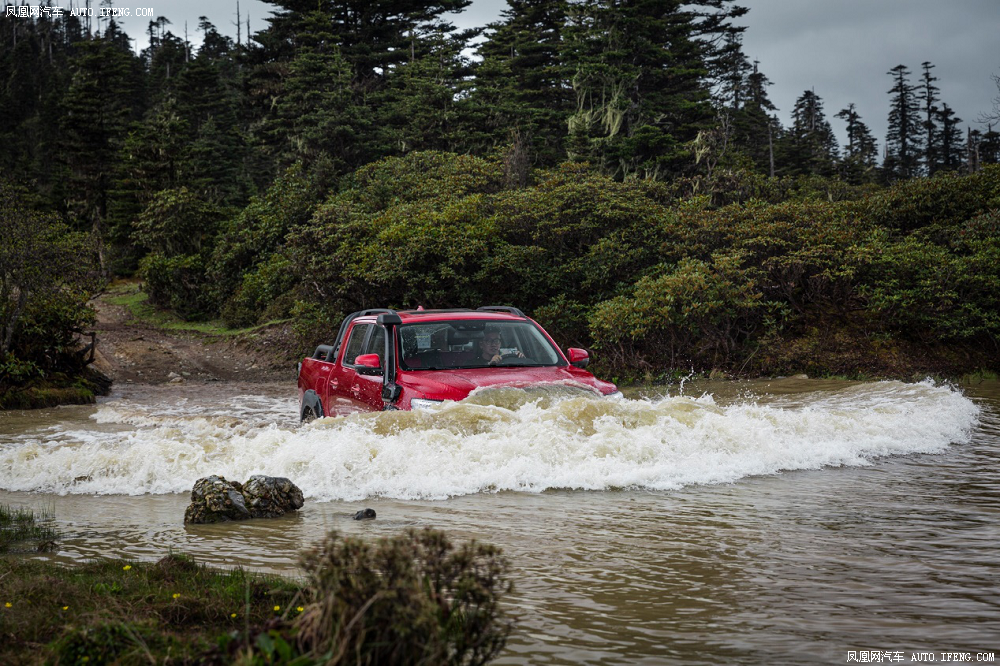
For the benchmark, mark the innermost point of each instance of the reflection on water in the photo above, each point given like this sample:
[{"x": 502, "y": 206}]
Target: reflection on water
[{"x": 788, "y": 527}]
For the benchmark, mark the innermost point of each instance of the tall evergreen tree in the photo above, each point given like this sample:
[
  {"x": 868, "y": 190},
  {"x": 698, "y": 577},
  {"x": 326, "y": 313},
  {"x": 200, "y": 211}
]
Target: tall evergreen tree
[
  {"x": 419, "y": 108},
  {"x": 756, "y": 126},
  {"x": 316, "y": 110},
  {"x": 989, "y": 146},
  {"x": 949, "y": 154},
  {"x": 929, "y": 100},
  {"x": 103, "y": 98},
  {"x": 521, "y": 85},
  {"x": 860, "y": 162},
  {"x": 641, "y": 81},
  {"x": 731, "y": 71},
  {"x": 903, "y": 140},
  {"x": 809, "y": 146},
  {"x": 335, "y": 58}
]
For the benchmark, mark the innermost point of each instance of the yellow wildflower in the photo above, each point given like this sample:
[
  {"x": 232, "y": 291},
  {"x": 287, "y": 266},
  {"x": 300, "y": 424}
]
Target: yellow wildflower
[
  {"x": 65, "y": 607},
  {"x": 177, "y": 595},
  {"x": 8, "y": 605},
  {"x": 127, "y": 567},
  {"x": 277, "y": 608},
  {"x": 232, "y": 615},
  {"x": 300, "y": 609}
]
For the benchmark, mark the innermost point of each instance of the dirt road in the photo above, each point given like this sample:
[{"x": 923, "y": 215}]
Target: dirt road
[{"x": 131, "y": 351}]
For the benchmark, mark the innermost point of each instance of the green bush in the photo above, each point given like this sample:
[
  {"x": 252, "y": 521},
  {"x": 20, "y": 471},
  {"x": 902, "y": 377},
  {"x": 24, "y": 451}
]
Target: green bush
[
  {"x": 409, "y": 599},
  {"x": 248, "y": 239},
  {"x": 263, "y": 295},
  {"x": 177, "y": 283},
  {"x": 935, "y": 293},
  {"x": 696, "y": 312},
  {"x": 47, "y": 276},
  {"x": 946, "y": 200},
  {"x": 178, "y": 222},
  {"x": 109, "y": 643}
]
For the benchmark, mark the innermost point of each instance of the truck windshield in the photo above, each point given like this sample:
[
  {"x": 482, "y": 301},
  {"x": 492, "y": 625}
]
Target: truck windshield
[{"x": 442, "y": 345}]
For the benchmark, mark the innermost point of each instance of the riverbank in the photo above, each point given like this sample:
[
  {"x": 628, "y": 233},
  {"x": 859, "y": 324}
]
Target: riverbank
[
  {"x": 411, "y": 598},
  {"x": 169, "y": 611},
  {"x": 139, "y": 345}
]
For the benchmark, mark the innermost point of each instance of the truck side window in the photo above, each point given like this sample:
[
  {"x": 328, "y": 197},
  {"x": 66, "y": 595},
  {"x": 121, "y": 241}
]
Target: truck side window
[
  {"x": 356, "y": 343},
  {"x": 376, "y": 343}
]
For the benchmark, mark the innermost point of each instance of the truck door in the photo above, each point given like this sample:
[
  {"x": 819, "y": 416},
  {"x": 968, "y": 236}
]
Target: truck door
[
  {"x": 370, "y": 386},
  {"x": 344, "y": 387}
]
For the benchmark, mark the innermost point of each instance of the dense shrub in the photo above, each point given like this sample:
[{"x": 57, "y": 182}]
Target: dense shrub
[
  {"x": 696, "y": 312},
  {"x": 178, "y": 222},
  {"x": 248, "y": 240},
  {"x": 946, "y": 200},
  {"x": 410, "y": 599},
  {"x": 47, "y": 276},
  {"x": 263, "y": 295},
  {"x": 177, "y": 283},
  {"x": 698, "y": 271}
]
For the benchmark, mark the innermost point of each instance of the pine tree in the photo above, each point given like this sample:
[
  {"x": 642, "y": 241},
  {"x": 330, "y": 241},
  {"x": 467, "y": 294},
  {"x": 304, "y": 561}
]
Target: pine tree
[
  {"x": 641, "y": 81},
  {"x": 902, "y": 142},
  {"x": 418, "y": 108},
  {"x": 327, "y": 63},
  {"x": 149, "y": 161},
  {"x": 164, "y": 58},
  {"x": 860, "y": 162},
  {"x": 754, "y": 125},
  {"x": 102, "y": 99},
  {"x": 950, "y": 150},
  {"x": 989, "y": 146},
  {"x": 929, "y": 99},
  {"x": 207, "y": 100},
  {"x": 809, "y": 146},
  {"x": 316, "y": 112},
  {"x": 731, "y": 70},
  {"x": 521, "y": 85}
]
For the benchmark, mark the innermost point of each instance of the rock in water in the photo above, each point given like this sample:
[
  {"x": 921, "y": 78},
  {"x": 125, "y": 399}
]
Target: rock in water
[
  {"x": 271, "y": 496},
  {"x": 215, "y": 500},
  {"x": 366, "y": 514}
]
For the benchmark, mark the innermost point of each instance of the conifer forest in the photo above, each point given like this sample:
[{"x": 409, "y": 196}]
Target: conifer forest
[{"x": 614, "y": 169}]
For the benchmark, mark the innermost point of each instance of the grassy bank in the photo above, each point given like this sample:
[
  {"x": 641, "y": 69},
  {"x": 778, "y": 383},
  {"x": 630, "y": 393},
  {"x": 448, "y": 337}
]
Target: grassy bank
[
  {"x": 174, "y": 611},
  {"x": 55, "y": 389},
  {"x": 129, "y": 294},
  {"x": 411, "y": 599}
]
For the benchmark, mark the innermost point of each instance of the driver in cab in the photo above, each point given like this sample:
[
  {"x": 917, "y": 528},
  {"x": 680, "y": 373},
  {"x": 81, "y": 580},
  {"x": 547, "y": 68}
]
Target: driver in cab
[{"x": 489, "y": 349}]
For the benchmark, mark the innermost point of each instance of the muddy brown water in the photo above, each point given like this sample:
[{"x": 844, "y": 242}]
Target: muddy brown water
[{"x": 781, "y": 521}]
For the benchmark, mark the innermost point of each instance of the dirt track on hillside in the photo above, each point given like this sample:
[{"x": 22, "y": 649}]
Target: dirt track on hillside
[{"x": 131, "y": 351}]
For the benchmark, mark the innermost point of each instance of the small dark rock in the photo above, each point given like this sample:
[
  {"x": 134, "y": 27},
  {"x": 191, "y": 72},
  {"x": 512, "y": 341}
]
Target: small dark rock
[{"x": 366, "y": 514}]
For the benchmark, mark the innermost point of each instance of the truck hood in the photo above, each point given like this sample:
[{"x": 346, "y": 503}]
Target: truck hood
[{"x": 458, "y": 384}]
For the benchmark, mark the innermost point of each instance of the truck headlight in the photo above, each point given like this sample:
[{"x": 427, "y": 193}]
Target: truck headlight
[{"x": 423, "y": 403}]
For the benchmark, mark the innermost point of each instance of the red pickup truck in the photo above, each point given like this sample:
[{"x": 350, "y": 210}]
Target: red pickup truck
[{"x": 413, "y": 359}]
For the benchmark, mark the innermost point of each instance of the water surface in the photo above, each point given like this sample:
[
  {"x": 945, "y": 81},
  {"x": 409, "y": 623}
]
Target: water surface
[{"x": 787, "y": 521}]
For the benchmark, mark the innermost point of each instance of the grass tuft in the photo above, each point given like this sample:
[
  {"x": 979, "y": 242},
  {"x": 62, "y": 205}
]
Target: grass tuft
[{"x": 20, "y": 531}]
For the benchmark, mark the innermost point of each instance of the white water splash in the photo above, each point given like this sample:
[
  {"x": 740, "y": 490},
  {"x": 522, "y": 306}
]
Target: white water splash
[{"x": 500, "y": 439}]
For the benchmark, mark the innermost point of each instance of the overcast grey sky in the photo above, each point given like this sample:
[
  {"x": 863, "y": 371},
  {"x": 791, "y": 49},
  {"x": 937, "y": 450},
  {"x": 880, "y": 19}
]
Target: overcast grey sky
[{"x": 842, "y": 49}]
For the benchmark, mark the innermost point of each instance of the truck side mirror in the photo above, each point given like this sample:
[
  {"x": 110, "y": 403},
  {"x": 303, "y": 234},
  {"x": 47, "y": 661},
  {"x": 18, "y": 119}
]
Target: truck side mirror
[
  {"x": 578, "y": 357},
  {"x": 369, "y": 364}
]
